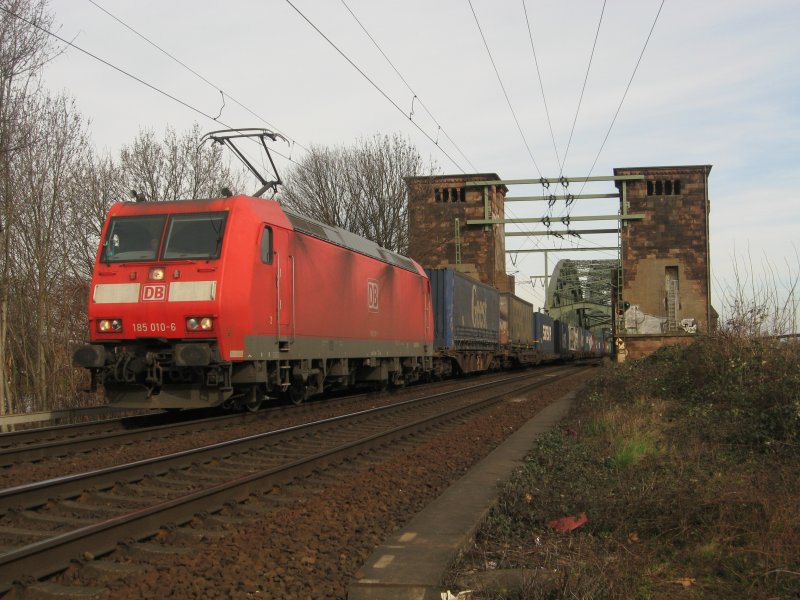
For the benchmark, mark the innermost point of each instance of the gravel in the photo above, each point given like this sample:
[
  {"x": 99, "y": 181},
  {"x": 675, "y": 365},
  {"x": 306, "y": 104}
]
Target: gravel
[{"x": 307, "y": 541}]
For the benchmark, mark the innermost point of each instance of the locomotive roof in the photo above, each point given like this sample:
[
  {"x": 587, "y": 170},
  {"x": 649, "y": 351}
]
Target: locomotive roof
[
  {"x": 334, "y": 235},
  {"x": 347, "y": 239}
]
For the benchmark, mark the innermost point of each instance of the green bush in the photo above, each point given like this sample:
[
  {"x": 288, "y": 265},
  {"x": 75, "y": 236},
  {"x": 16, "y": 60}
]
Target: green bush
[{"x": 745, "y": 390}]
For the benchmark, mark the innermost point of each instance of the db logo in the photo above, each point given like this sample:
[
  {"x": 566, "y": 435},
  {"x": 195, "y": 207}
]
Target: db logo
[
  {"x": 372, "y": 295},
  {"x": 154, "y": 292}
]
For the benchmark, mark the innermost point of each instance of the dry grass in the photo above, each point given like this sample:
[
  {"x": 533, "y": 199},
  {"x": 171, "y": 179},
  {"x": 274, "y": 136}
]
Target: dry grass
[{"x": 686, "y": 464}]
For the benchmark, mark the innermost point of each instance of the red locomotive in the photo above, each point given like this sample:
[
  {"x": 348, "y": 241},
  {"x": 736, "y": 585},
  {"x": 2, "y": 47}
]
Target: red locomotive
[{"x": 229, "y": 301}]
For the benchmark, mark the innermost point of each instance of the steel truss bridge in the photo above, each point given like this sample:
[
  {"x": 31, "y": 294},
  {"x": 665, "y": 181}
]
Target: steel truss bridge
[{"x": 581, "y": 291}]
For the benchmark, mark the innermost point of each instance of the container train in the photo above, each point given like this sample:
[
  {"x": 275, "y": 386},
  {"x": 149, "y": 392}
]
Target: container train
[{"x": 232, "y": 301}]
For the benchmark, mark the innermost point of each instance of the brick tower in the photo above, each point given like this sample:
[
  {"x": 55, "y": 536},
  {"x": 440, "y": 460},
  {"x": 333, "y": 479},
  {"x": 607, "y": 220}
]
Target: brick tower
[
  {"x": 435, "y": 239},
  {"x": 666, "y": 264}
]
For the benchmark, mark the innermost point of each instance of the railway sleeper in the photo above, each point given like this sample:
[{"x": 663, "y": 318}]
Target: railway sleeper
[{"x": 108, "y": 570}]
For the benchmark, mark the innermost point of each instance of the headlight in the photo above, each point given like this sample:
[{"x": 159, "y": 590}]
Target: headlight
[
  {"x": 109, "y": 325},
  {"x": 156, "y": 274},
  {"x": 199, "y": 323}
]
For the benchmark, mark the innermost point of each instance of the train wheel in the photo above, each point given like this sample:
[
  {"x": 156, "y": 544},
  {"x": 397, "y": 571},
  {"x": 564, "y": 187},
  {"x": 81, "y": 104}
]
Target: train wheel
[
  {"x": 297, "y": 392},
  {"x": 397, "y": 380},
  {"x": 255, "y": 396}
]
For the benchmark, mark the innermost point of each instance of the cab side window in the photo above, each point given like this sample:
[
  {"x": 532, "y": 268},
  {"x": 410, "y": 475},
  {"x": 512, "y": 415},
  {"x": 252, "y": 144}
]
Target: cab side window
[{"x": 266, "y": 246}]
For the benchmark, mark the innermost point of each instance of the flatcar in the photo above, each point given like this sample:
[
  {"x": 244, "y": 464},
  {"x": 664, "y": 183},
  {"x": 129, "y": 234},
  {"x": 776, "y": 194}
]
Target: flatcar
[
  {"x": 230, "y": 301},
  {"x": 466, "y": 323}
]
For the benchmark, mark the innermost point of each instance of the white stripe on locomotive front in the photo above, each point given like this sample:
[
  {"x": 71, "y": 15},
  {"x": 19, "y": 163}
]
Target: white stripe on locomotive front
[{"x": 179, "y": 291}]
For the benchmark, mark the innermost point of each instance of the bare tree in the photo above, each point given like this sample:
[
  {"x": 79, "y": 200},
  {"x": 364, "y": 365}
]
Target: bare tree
[
  {"x": 99, "y": 183},
  {"x": 54, "y": 195},
  {"x": 359, "y": 188},
  {"x": 43, "y": 250},
  {"x": 176, "y": 168},
  {"x": 761, "y": 300},
  {"x": 320, "y": 187},
  {"x": 23, "y": 50}
]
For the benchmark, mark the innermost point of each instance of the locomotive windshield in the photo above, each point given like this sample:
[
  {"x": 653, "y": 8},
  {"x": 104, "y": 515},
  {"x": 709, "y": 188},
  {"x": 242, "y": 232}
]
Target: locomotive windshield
[
  {"x": 133, "y": 238},
  {"x": 194, "y": 236},
  {"x": 188, "y": 236}
]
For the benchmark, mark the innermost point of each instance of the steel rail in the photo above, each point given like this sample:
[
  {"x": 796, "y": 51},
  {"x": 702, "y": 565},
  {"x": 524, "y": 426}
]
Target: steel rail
[
  {"x": 52, "y": 555},
  {"x": 37, "y": 494},
  {"x": 70, "y": 444},
  {"x": 79, "y": 438},
  {"x": 88, "y": 437}
]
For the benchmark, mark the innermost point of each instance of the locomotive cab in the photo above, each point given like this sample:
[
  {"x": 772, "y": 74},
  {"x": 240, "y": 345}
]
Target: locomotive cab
[{"x": 156, "y": 331}]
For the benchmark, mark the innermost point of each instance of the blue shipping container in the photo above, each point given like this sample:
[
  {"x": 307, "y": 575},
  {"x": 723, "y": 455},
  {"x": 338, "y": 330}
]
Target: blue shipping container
[
  {"x": 562, "y": 338},
  {"x": 544, "y": 334},
  {"x": 465, "y": 311}
]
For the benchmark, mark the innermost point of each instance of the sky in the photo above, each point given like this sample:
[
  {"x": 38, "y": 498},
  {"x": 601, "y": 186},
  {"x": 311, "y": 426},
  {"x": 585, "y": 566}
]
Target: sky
[{"x": 717, "y": 82}]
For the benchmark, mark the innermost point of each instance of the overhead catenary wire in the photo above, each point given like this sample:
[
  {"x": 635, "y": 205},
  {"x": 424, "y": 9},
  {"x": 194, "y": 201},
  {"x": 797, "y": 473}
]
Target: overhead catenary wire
[
  {"x": 622, "y": 100},
  {"x": 535, "y": 241},
  {"x": 410, "y": 89},
  {"x": 541, "y": 87},
  {"x": 373, "y": 84},
  {"x": 564, "y": 214},
  {"x": 224, "y": 93},
  {"x": 567, "y": 209},
  {"x": 228, "y": 95},
  {"x": 583, "y": 88},
  {"x": 503, "y": 88},
  {"x": 418, "y": 100},
  {"x": 128, "y": 74},
  {"x": 416, "y": 97}
]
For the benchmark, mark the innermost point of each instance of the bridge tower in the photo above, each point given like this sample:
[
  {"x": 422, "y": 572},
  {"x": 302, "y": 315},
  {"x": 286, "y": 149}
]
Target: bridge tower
[
  {"x": 664, "y": 296},
  {"x": 438, "y": 209}
]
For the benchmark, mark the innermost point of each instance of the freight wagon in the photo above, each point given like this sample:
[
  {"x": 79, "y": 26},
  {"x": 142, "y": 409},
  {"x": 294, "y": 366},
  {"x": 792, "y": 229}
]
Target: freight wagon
[
  {"x": 544, "y": 335},
  {"x": 466, "y": 322},
  {"x": 516, "y": 331}
]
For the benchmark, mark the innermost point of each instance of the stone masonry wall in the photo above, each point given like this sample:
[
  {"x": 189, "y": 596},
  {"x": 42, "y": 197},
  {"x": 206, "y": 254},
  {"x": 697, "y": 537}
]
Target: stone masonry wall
[
  {"x": 433, "y": 206},
  {"x": 673, "y": 234}
]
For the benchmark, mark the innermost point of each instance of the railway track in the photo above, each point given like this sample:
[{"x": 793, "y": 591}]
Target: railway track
[
  {"x": 52, "y": 442},
  {"x": 27, "y": 455},
  {"x": 47, "y": 524},
  {"x": 55, "y": 441}
]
